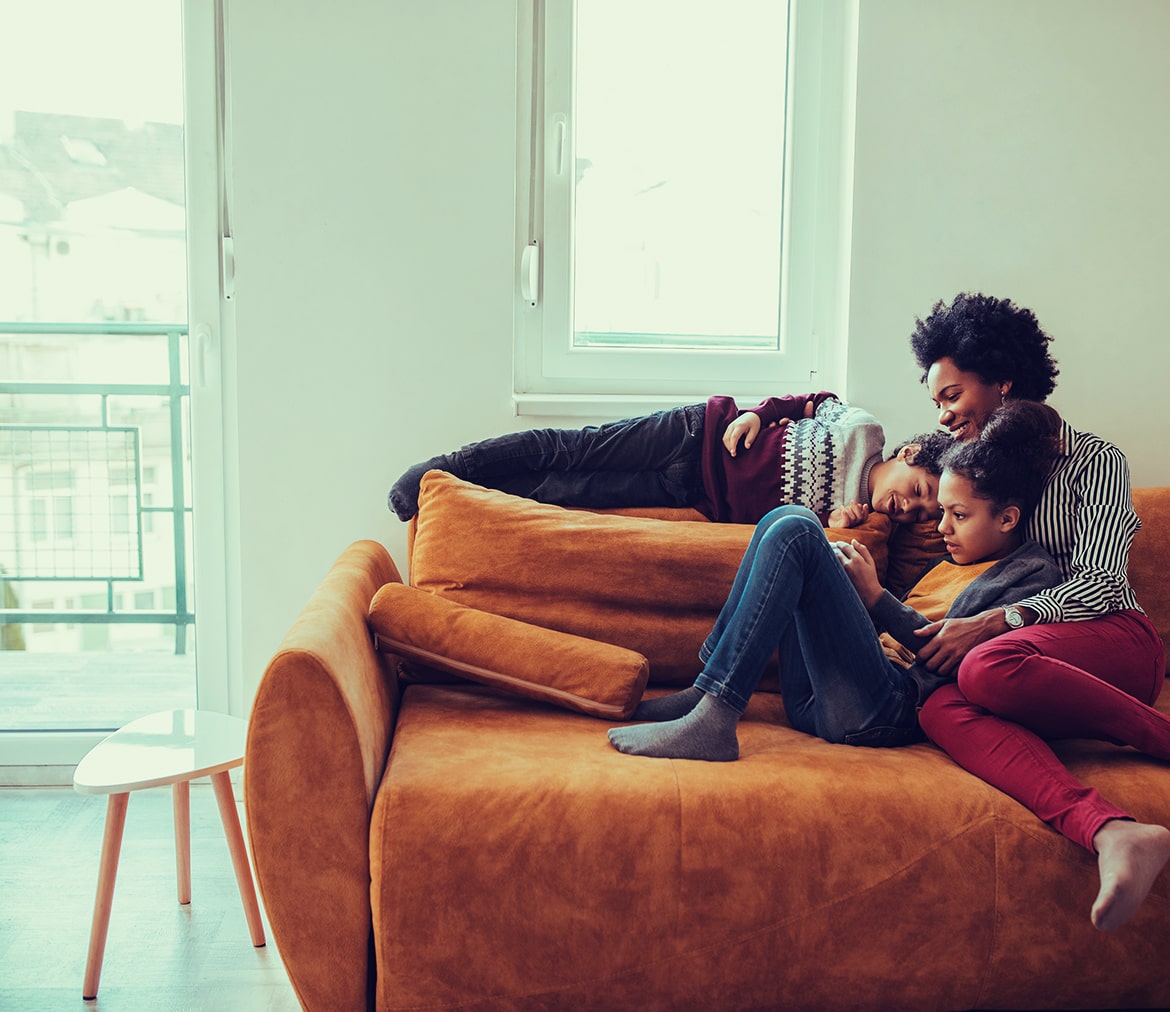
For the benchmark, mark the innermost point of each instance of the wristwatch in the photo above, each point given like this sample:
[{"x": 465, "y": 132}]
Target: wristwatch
[{"x": 1013, "y": 617}]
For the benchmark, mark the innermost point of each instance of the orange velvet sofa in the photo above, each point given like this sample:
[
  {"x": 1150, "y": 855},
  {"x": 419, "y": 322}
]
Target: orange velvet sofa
[{"x": 428, "y": 841}]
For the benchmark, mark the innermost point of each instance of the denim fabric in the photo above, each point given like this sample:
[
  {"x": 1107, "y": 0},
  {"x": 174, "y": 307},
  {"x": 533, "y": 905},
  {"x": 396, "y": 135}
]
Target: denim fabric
[
  {"x": 654, "y": 460},
  {"x": 791, "y": 594}
]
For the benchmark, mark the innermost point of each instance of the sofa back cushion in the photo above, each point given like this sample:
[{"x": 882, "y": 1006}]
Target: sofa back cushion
[
  {"x": 652, "y": 586},
  {"x": 1149, "y": 559}
]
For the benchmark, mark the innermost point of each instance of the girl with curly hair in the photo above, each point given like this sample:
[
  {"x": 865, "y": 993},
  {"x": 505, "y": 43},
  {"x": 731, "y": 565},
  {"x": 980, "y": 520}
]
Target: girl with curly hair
[{"x": 1079, "y": 660}]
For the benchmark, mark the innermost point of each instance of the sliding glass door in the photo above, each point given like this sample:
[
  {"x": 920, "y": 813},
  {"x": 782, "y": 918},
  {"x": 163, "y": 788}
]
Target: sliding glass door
[{"x": 96, "y": 521}]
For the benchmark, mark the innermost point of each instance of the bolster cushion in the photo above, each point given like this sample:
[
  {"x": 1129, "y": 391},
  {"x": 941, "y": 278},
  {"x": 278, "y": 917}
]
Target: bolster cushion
[
  {"x": 516, "y": 657},
  {"x": 651, "y": 586}
]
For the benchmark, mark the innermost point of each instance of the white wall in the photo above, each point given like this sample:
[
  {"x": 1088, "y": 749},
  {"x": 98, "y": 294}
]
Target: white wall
[
  {"x": 1019, "y": 149},
  {"x": 1007, "y": 147},
  {"x": 374, "y": 153}
]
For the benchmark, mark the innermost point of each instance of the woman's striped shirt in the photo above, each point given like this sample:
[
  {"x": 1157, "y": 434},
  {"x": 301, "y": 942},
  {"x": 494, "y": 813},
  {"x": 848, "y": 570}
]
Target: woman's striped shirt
[{"x": 1086, "y": 520}]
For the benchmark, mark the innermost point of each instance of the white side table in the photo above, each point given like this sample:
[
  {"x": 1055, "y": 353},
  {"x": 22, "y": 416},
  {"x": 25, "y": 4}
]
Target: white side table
[{"x": 171, "y": 747}]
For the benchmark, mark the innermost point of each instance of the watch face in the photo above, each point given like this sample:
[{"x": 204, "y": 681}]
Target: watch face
[{"x": 1013, "y": 617}]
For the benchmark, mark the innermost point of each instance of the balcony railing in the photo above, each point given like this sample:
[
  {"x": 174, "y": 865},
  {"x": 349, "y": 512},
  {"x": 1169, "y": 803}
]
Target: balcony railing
[{"x": 71, "y": 491}]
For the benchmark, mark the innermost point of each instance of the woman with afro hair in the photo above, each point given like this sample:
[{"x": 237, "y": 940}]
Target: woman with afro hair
[{"x": 1080, "y": 660}]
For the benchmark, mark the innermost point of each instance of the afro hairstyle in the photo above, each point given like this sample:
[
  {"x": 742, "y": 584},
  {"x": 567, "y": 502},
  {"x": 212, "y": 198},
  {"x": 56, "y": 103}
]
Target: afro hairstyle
[{"x": 993, "y": 338}]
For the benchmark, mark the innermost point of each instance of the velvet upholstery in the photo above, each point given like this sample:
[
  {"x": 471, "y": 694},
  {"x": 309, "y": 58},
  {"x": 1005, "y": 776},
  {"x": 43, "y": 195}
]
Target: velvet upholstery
[
  {"x": 652, "y": 586},
  {"x": 505, "y": 856},
  {"x": 805, "y": 875},
  {"x": 1149, "y": 559},
  {"x": 911, "y": 549},
  {"x": 515, "y": 657},
  {"x": 316, "y": 749}
]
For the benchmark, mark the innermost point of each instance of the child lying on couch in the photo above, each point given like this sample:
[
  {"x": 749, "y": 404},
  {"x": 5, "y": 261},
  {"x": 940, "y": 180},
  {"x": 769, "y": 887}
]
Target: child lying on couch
[{"x": 732, "y": 466}]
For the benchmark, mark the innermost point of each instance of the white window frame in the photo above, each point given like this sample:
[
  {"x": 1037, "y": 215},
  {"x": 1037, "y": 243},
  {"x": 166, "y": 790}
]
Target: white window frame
[
  {"x": 220, "y": 683},
  {"x": 553, "y": 378}
]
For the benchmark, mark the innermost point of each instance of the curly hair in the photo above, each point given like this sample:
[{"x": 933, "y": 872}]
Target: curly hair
[
  {"x": 931, "y": 448},
  {"x": 993, "y": 338},
  {"x": 1009, "y": 463}
]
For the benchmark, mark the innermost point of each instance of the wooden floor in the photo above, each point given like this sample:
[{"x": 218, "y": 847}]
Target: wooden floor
[{"x": 160, "y": 956}]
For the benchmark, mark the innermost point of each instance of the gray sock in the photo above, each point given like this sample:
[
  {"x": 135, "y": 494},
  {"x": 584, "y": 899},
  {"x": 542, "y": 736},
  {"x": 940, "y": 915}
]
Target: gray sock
[
  {"x": 677, "y": 704},
  {"x": 707, "y": 732}
]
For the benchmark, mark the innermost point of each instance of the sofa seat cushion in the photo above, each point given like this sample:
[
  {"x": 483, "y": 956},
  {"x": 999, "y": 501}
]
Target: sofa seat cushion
[{"x": 519, "y": 861}]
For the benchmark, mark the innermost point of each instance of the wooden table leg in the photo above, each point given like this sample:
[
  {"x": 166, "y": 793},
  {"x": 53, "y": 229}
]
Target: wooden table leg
[
  {"x": 222, "y": 782},
  {"x": 111, "y": 848},
  {"x": 182, "y": 793}
]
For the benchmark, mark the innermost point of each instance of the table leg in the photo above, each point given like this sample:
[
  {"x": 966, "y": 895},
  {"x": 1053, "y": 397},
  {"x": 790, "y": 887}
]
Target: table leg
[
  {"x": 222, "y": 782},
  {"x": 111, "y": 848},
  {"x": 182, "y": 797}
]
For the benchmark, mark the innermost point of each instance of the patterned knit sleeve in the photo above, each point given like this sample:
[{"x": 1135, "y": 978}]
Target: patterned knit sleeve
[{"x": 773, "y": 409}]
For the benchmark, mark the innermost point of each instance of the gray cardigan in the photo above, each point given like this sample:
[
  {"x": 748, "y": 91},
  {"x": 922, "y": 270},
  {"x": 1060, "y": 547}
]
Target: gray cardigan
[{"x": 1026, "y": 571}]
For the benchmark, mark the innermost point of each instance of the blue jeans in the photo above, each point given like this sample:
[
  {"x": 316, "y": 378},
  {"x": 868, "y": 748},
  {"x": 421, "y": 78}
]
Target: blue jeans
[
  {"x": 791, "y": 594},
  {"x": 654, "y": 460}
]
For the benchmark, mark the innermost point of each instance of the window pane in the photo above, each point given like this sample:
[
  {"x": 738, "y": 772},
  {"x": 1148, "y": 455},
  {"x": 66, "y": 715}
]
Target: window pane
[
  {"x": 91, "y": 162},
  {"x": 679, "y": 135},
  {"x": 93, "y": 311}
]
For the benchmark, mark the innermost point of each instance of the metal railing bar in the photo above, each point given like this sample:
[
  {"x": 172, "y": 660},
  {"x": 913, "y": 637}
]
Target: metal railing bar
[
  {"x": 96, "y": 617},
  {"x": 89, "y": 329},
  {"x": 178, "y": 492},
  {"x": 93, "y": 389},
  {"x": 175, "y": 391}
]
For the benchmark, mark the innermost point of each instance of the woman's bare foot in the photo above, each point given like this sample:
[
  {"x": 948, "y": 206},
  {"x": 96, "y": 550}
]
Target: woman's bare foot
[{"x": 1130, "y": 856}]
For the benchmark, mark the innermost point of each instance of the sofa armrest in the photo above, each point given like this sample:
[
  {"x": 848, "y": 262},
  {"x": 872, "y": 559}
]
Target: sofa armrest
[{"x": 318, "y": 738}]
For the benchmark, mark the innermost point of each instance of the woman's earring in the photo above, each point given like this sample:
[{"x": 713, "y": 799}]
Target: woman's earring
[{"x": 1002, "y": 397}]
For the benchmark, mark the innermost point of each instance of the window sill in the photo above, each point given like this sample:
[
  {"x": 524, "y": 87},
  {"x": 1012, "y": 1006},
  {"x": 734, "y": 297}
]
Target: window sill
[{"x": 604, "y": 406}]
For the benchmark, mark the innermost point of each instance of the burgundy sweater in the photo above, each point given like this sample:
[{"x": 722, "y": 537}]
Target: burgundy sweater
[{"x": 820, "y": 462}]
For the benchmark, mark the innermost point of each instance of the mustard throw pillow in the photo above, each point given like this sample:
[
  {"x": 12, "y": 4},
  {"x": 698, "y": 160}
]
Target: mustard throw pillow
[{"x": 526, "y": 660}]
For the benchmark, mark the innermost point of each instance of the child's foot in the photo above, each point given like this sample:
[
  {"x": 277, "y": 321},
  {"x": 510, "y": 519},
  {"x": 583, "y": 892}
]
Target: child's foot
[
  {"x": 403, "y": 497},
  {"x": 677, "y": 704},
  {"x": 1130, "y": 856},
  {"x": 707, "y": 732}
]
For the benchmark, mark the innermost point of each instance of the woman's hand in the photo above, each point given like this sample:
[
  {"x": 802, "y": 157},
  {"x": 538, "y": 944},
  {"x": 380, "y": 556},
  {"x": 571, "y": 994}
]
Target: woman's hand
[
  {"x": 852, "y": 515},
  {"x": 951, "y": 639},
  {"x": 861, "y": 570},
  {"x": 746, "y": 427}
]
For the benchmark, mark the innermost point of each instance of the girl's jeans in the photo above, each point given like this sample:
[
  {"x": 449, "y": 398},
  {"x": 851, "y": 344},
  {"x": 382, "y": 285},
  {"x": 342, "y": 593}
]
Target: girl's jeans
[
  {"x": 654, "y": 460},
  {"x": 1062, "y": 680},
  {"x": 792, "y": 594}
]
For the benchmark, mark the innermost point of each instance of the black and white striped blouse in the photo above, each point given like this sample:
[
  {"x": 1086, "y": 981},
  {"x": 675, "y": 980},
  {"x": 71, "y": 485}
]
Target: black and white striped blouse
[{"x": 1086, "y": 520}]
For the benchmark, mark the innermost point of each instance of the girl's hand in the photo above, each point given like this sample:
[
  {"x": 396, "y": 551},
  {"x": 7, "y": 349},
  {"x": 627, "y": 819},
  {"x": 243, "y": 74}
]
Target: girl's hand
[
  {"x": 861, "y": 570},
  {"x": 852, "y": 515},
  {"x": 746, "y": 427}
]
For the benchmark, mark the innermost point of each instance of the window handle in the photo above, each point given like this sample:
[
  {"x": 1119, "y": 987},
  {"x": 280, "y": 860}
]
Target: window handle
[
  {"x": 202, "y": 335},
  {"x": 558, "y": 135},
  {"x": 228, "y": 266},
  {"x": 530, "y": 273}
]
